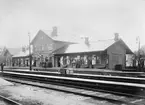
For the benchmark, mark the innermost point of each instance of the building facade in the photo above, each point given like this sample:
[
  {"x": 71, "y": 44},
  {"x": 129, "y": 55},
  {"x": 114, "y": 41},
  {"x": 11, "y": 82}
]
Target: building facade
[
  {"x": 21, "y": 59},
  {"x": 5, "y": 56},
  {"x": 49, "y": 49},
  {"x": 43, "y": 44}
]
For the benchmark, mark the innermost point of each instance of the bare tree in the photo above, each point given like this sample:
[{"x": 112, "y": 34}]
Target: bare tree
[
  {"x": 142, "y": 50},
  {"x": 138, "y": 57}
]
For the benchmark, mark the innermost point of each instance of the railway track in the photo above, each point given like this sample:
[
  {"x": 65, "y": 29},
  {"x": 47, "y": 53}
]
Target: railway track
[
  {"x": 85, "y": 71},
  {"x": 91, "y": 86},
  {"x": 8, "y": 101},
  {"x": 87, "y": 76},
  {"x": 73, "y": 90}
]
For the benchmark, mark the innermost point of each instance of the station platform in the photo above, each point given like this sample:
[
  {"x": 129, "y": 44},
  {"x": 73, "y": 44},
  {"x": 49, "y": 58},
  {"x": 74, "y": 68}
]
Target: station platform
[{"x": 83, "y": 71}]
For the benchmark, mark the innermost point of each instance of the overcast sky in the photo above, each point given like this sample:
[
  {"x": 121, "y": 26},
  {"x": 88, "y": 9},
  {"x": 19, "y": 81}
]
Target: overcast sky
[{"x": 98, "y": 19}]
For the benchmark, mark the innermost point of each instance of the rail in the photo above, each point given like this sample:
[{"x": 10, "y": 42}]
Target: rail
[
  {"x": 86, "y": 76},
  {"x": 9, "y": 101},
  {"x": 87, "y": 71},
  {"x": 123, "y": 88}
]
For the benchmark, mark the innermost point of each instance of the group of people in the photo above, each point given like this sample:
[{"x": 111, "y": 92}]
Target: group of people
[{"x": 78, "y": 62}]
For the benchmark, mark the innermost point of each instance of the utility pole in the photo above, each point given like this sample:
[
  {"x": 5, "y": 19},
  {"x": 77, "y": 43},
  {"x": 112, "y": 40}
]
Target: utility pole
[
  {"x": 138, "y": 38},
  {"x": 30, "y": 55}
]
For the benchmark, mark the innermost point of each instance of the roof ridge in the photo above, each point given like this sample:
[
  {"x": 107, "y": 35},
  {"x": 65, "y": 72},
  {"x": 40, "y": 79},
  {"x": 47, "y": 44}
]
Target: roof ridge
[
  {"x": 101, "y": 40},
  {"x": 45, "y": 30}
]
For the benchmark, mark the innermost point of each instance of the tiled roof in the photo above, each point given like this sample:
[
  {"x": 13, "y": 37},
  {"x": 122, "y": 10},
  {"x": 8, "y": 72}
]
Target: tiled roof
[
  {"x": 94, "y": 46},
  {"x": 14, "y": 51},
  {"x": 62, "y": 36},
  {"x": 101, "y": 45},
  {"x": 22, "y": 54}
]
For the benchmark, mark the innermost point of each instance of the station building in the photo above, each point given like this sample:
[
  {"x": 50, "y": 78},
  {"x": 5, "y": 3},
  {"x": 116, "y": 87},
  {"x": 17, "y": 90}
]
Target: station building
[
  {"x": 21, "y": 59},
  {"x": 5, "y": 56},
  {"x": 58, "y": 49}
]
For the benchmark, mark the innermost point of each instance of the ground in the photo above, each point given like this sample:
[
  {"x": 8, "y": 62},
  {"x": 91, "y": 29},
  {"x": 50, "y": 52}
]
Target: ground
[{"x": 29, "y": 95}]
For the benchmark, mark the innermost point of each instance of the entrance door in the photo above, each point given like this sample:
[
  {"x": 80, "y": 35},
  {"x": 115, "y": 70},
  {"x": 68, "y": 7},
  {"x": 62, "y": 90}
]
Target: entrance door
[{"x": 116, "y": 59}]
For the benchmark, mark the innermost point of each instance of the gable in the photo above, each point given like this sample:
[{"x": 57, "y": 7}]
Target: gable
[
  {"x": 120, "y": 46},
  {"x": 41, "y": 38},
  {"x": 122, "y": 43},
  {"x": 116, "y": 48},
  {"x": 7, "y": 53}
]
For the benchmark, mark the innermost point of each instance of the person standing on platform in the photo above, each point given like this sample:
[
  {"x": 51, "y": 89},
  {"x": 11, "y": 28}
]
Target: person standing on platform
[
  {"x": 89, "y": 62},
  {"x": 61, "y": 61},
  {"x": 2, "y": 67},
  {"x": 93, "y": 61}
]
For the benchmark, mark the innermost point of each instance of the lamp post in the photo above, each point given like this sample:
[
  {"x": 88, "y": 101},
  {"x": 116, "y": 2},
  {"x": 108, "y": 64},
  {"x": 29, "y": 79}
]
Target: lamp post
[{"x": 30, "y": 55}]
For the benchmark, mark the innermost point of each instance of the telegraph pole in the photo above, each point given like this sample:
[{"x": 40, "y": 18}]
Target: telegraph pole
[
  {"x": 139, "y": 53},
  {"x": 30, "y": 55}
]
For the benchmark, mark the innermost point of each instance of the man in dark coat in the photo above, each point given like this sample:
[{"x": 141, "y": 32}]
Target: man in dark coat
[{"x": 2, "y": 67}]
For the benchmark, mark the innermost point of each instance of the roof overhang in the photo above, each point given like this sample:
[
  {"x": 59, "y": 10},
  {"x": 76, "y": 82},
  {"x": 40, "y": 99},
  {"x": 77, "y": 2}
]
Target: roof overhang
[
  {"x": 20, "y": 56},
  {"x": 79, "y": 52}
]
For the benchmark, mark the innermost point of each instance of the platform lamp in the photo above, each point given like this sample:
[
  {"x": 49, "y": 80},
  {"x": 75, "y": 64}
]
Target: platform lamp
[{"x": 30, "y": 55}]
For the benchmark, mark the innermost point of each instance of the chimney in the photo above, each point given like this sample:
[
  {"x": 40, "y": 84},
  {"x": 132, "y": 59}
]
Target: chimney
[
  {"x": 116, "y": 36},
  {"x": 54, "y": 31},
  {"x": 87, "y": 41}
]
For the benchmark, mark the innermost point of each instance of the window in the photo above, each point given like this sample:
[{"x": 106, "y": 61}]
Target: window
[
  {"x": 67, "y": 60},
  {"x": 39, "y": 48},
  {"x": 42, "y": 47},
  {"x": 35, "y": 49},
  {"x": 50, "y": 46},
  {"x": 98, "y": 60}
]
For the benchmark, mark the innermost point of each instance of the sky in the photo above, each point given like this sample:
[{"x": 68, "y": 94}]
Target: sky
[{"x": 97, "y": 19}]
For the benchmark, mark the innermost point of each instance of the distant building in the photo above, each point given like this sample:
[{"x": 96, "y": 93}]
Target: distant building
[
  {"x": 21, "y": 59},
  {"x": 5, "y": 56}
]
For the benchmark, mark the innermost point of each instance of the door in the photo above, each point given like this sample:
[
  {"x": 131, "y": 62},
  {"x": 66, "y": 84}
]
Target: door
[{"x": 116, "y": 59}]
